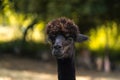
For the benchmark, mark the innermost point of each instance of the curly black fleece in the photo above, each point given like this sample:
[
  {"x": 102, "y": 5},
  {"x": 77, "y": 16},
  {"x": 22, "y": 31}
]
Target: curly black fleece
[{"x": 62, "y": 26}]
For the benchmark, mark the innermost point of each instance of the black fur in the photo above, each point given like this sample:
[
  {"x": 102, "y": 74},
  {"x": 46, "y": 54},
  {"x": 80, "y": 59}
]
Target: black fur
[
  {"x": 67, "y": 28},
  {"x": 66, "y": 69}
]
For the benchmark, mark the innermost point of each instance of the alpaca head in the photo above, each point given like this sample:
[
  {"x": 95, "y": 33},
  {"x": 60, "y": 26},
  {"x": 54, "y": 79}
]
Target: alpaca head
[{"x": 63, "y": 33}]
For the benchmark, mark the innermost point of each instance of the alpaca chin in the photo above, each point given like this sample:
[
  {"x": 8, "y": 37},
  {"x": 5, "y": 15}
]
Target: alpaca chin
[
  {"x": 60, "y": 54},
  {"x": 57, "y": 53}
]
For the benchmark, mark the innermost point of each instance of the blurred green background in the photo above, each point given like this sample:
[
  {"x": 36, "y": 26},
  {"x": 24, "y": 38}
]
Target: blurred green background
[{"x": 22, "y": 29}]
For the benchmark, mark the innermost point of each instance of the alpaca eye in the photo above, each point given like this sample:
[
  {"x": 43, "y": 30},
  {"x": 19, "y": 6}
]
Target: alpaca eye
[
  {"x": 70, "y": 39},
  {"x": 67, "y": 35},
  {"x": 51, "y": 41},
  {"x": 52, "y": 37}
]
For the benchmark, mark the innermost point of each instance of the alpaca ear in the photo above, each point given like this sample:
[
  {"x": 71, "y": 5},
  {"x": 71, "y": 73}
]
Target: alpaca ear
[{"x": 81, "y": 38}]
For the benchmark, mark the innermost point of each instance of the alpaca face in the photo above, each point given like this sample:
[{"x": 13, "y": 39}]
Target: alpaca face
[
  {"x": 62, "y": 46},
  {"x": 62, "y": 33}
]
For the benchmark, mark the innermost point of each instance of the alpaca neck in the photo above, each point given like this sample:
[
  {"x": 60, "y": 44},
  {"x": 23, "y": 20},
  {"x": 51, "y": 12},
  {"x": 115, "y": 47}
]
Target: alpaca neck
[{"x": 66, "y": 69}]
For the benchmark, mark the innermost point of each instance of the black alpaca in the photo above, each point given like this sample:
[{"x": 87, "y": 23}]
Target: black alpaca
[{"x": 63, "y": 34}]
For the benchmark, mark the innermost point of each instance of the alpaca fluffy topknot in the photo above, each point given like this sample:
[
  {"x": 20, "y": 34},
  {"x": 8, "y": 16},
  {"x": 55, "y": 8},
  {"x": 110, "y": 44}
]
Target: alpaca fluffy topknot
[{"x": 63, "y": 26}]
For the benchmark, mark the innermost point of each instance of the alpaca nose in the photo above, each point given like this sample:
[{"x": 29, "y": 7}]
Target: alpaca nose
[{"x": 57, "y": 47}]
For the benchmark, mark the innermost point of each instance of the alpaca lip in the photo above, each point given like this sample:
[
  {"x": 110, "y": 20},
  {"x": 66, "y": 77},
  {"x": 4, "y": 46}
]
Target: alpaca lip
[
  {"x": 59, "y": 56},
  {"x": 60, "y": 53},
  {"x": 57, "y": 53}
]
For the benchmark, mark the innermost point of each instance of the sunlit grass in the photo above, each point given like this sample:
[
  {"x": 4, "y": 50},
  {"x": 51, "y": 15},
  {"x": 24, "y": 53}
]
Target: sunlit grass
[
  {"x": 5, "y": 35},
  {"x": 8, "y": 34},
  {"x": 36, "y": 34},
  {"x": 13, "y": 25}
]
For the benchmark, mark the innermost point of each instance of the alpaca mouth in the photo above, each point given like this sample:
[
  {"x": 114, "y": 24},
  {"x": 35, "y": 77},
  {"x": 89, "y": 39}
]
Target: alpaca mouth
[
  {"x": 60, "y": 53},
  {"x": 57, "y": 53},
  {"x": 59, "y": 56}
]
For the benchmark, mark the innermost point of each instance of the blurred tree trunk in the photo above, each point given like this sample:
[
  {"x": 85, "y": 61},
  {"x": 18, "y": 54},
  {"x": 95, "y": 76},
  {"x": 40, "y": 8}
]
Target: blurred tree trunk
[
  {"x": 106, "y": 57},
  {"x": 106, "y": 64},
  {"x": 31, "y": 26},
  {"x": 99, "y": 63}
]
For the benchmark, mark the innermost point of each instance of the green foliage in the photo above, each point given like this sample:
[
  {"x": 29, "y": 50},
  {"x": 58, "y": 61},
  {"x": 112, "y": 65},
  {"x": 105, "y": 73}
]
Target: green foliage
[
  {"x": 105, "y": 36},
  {"x": 50, "y": 9},
  {"x": 28, "y": 49},
  {"x": 88, "y": 14}
]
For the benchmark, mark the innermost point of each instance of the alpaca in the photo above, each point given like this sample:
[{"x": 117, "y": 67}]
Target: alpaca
[{"x": 62, "y": 34}]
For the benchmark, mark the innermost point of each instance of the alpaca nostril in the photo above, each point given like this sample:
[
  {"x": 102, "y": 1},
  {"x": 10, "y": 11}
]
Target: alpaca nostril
[{"x": 57, "y": 47}]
